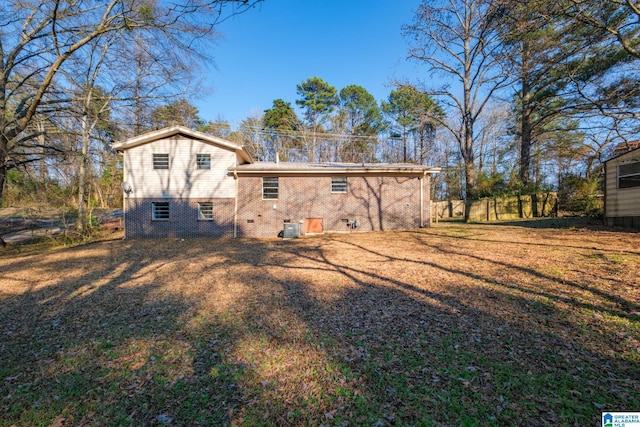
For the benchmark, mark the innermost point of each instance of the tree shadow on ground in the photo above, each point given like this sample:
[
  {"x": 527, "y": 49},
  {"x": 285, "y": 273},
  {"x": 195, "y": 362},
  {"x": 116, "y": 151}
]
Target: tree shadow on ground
[
  {"x": 319, "y": 331},
  {"x": 555, "y": 237},
  {"x": 94, "y": 335},
  {"x": 586, "y": 223},
  {"x": 409, "y": 354}
]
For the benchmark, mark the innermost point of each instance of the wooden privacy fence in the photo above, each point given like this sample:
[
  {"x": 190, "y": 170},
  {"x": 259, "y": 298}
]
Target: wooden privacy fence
[
  {"x": 508, "y": 208},
  {"x": 447, "y": 209}
]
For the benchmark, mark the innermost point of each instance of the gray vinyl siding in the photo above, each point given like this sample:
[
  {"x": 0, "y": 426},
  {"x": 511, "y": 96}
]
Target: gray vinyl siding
[{"x": 621, "y": 202}]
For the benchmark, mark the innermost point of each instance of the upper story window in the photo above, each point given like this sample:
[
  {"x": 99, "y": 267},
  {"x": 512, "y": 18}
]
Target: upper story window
[
  {"x": 339, "y": 184},
  {"x": 205, "y": 211},
  {"x": 629, "y": 175},
  {"x": 270, "y": 187},
  {"x": 160, "y": 211},
  {"x": 203, "y": 161},
  {"x": 160, "y": 161}
]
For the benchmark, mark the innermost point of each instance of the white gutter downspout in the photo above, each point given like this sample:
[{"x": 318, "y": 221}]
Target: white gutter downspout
[
  {"x": 124, "y": 215},
  {"x": 422, "y": 200},
  {"x": 235, "y": 207},
  {"x": 124, "y": 202}
]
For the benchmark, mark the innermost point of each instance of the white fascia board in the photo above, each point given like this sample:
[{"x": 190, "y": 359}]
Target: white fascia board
[{"x": 174, "y": 130}]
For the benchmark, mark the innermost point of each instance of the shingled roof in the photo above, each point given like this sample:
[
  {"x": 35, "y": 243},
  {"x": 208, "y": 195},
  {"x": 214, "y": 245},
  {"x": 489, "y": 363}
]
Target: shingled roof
[{"x": 625, "y": 147}]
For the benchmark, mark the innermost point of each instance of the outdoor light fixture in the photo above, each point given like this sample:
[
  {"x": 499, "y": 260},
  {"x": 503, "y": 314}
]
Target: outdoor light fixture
[{"x": 126, "y": 187}]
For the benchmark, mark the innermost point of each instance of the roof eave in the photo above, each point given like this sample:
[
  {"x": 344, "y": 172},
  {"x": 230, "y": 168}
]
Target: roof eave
[
  {"x": 244, "y": 155},
  {"x": 328, "y": 171},
  {"x": 177, "y": 129},
  {"x": 623, "y": 154}
]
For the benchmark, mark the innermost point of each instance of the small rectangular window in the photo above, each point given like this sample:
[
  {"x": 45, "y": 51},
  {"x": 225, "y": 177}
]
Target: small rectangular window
[
  {"x": 270, "y": 188},
  {"x": 203, "y": 161},
  {"x": 629, "y": 175},
  {"x": 160, "y": 211},
  {"x": 160, "y": 161},
  {"x": 205, "y": 211},
  {"x": 339, "y": 184}
]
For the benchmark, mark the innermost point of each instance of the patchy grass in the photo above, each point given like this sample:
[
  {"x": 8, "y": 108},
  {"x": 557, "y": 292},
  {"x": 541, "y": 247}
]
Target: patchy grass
[{"x": 457, "y": 325}]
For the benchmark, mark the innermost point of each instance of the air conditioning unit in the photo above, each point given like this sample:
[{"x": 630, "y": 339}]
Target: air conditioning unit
[{"x": 291, "y": 230}]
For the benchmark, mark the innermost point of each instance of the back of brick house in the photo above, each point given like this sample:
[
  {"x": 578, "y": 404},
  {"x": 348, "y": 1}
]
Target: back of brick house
[{"x": 183, "y": 183}]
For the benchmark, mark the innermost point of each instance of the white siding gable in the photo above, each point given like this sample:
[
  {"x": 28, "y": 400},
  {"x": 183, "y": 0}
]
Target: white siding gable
[{"x": 183, "y": 179}]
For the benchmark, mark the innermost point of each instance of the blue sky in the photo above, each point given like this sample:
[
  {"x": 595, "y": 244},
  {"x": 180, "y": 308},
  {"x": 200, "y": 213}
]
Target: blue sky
[{"x": 268, "y": 50}]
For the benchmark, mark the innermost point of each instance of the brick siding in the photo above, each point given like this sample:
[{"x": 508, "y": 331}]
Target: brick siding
[
  {"x": 183, "y": 219},
  {"x": 377, "y": 202}
]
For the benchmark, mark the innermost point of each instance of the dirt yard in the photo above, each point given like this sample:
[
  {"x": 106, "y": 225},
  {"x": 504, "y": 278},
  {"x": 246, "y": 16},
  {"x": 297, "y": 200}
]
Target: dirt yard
[{"x": 522, "y": 324}]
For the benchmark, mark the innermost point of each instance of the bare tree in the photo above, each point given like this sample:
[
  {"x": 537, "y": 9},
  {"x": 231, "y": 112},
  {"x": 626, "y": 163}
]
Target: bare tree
[
  {"x": 90, "y": 107},
  {"x": 456, "y": 39},
  {"x": 250, "y": 134},
  {"x": 493, "y": 137},
  {"x": 37, "y": 39}
]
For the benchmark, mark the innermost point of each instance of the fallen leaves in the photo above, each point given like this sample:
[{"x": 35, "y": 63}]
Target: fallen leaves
[{"x": 458, "y": 323}]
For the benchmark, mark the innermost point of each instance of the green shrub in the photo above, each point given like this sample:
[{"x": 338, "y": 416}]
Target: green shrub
[{"x": 580, "y": 195}]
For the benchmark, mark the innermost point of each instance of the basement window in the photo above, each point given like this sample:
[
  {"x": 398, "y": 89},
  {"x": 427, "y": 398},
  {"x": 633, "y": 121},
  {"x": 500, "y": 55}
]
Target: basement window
[
  {"x": 629, "y": 175},
  {"x": 203, "y": 161},
  {"x": 339, "y": 184},
  {"x": 160, "y": 211},
  {"x": 160, "y": 161},
  {"x": 270, "y": 187},
  {"x": 205, "y": 211}
]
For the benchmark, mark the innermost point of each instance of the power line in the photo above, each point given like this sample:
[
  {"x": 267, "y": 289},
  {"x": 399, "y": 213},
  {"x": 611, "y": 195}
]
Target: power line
[{"x": 308, "y": 134}]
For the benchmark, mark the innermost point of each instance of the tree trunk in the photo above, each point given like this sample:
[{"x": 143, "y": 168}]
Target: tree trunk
[
  {"x": 311, "y": 153},
  {"x": 404, "y": 144},
  {"x": 469, "y": 180},
  {"x": 138, "y": 107},
  {"x": 525, "y": 145},
  {"x": 4, "y": 144},
  {"x": 469, "y": 162},
  {"x": 82, "y": 173},
  {"x": 525, "y": 125},
  {"x": 43, "y": 172},
  {"x": 99, "y": 193},
  {"x": 468, "y": 122},
  {"x": 467, "y": 149}
]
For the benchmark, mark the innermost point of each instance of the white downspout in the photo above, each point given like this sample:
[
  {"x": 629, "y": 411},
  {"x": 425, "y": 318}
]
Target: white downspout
[
  {"x": 422, "y": 201},
  {"x": 235, "y": 207},
  {"x": 124, "y": 200}
]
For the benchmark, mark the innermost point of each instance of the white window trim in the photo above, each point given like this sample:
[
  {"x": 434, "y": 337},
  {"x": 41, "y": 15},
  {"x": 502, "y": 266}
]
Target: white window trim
[
  {"x": 153, "y": 161},
  {"x": 277, "y": 187},
  {"x": 205, "y": 155},
  {"x": 346, "y": 185},
  {"x": 201, "y": 217},
  {"x": 635, "y": 174},
  {"x": 153, "y": 211}
]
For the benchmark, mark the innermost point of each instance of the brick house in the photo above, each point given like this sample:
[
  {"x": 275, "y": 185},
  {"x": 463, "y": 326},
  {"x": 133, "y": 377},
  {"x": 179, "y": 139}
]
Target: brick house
[{"x": 183, "y": 183}]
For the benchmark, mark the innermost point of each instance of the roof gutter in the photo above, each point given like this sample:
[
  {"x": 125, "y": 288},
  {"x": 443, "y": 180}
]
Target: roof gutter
[{"x": 333, "y": 171}]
